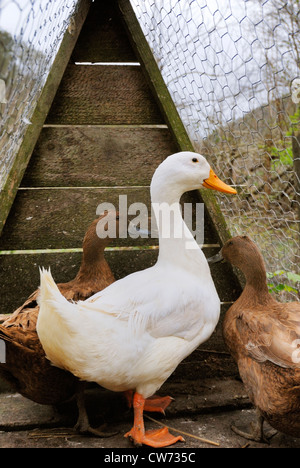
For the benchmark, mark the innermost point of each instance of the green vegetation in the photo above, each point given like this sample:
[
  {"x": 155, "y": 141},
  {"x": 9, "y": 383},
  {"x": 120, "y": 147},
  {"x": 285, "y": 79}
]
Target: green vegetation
[
  {"x": 278, "y": 281},
  {"x": 285, "y": 155}
]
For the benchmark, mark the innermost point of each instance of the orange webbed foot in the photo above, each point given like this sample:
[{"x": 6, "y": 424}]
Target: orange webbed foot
[
  {"x": 152, "y": 404},
  {"x": 156, "y": 438},
  {"x": 158, "y": 404}
]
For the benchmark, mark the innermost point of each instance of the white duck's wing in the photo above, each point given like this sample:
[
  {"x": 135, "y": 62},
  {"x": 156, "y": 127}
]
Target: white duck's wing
[
  {"x": 126, "y": 297},
  {"x": 158, "y": 306}
]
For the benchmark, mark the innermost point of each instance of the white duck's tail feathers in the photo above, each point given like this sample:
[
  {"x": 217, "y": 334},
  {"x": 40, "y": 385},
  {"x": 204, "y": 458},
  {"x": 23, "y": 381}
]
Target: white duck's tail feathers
[
  {"x": 49, "y": 293},
  {"x": 48, "y": 289},
  {"x": 50, "y": 299},
  {"x": 47, "y": 285},
  {"x": 56, "y": 319}
]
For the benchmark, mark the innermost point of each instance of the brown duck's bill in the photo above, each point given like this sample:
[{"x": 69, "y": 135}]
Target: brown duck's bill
[
  {"x": 216, "y": 258},
  {"x": 214, "y": 183}
]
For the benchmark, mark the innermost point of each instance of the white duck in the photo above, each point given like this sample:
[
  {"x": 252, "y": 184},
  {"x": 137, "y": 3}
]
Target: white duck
[{"x": 133, "y": 334}]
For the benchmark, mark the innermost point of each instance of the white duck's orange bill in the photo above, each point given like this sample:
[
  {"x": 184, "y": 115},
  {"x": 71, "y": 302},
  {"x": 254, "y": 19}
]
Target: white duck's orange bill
[{"x": 214, "y": 183}]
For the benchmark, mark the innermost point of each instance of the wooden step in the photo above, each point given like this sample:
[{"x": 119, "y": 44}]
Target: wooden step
[
  {"x": 97, "y": 156},
  {"x": 58, "y": 218},
  {"x": 103, "y": 37},
  {"x": 111, "y": 95}
]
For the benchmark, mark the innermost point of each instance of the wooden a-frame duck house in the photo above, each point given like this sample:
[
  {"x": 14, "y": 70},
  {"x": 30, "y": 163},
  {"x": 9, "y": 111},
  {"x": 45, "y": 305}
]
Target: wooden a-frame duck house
[{"x": 99, "y": 132}]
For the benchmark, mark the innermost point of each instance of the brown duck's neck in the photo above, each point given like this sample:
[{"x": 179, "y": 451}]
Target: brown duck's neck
[
  {"x": 93, "y": 262},
  {"x": 256, "y": 289},
  {"x": 96, "y": 275},
  {"x": 92, "y": 266}
]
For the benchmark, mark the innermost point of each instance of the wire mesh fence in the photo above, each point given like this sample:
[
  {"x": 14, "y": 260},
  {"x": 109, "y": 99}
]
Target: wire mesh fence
[
  {"x": 30, "y": 35},
  {"x": 232, "y": 68}
]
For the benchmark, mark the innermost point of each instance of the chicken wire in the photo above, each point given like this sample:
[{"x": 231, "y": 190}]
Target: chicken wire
[
  {"x": 30, "y": 35},
  {"x": 232, "y": 68}
]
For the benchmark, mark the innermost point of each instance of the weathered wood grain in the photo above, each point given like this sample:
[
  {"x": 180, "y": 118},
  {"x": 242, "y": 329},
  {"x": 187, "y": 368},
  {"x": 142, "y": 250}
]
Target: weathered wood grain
[
  {"x": 56, "y": 218},
  {"x": 97, "y": 156},
  {"x": 91, "y": 95},
  {"x": 103, "y": 38}
]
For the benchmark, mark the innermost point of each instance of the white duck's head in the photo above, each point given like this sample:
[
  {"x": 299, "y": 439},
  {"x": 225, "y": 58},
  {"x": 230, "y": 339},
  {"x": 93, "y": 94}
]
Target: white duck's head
[{"x": 182, "y": 172}]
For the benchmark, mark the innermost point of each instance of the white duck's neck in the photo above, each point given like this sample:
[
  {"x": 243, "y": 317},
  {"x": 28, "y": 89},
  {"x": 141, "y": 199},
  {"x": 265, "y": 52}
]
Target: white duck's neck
[{"x": 176, "y": 242}]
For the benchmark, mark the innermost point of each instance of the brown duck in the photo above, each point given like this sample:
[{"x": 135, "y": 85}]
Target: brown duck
[
  {"x": 26, "y": 367},
  {"x": 263, "y": 337}
]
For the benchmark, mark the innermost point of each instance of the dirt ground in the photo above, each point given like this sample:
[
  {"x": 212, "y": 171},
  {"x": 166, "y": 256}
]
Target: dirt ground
[{"x": 207, "y": 414}]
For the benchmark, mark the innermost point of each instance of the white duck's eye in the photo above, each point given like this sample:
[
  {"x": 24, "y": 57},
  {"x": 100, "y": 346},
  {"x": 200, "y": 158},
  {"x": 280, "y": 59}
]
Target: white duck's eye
[{"x": 195, "y": 160}]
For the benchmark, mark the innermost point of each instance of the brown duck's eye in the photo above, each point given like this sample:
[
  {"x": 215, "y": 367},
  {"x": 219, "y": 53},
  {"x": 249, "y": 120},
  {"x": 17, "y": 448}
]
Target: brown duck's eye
[
  {"x": 195, "y": 160},
  {"x": 230, "y": 243}
]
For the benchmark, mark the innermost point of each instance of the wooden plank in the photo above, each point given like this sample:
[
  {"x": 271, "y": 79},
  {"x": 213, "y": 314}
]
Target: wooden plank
[
  {"x": 58, "y": 218},
  {"x": 97, "y": 156},
  {"x": 103, "y": 38},
  {"x": 19, "y": 274},
  {"x": 93, "y": 95},
  {"x": 169, "y": 110},
  {"x": 10, "y": 186},
  {"x": 53, "y": 218}
]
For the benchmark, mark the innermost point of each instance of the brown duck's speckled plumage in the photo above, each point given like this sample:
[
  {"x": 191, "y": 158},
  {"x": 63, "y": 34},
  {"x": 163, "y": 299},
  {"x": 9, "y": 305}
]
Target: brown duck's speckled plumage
[
  {"x": 262, "y": 335},
  {"x": 26, "y": 367}
]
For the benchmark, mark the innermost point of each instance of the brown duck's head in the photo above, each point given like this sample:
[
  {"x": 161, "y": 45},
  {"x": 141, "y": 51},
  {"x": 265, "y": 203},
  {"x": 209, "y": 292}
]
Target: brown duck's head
[
  {"x": 109, "y": 226},
  {"x": 104, "y": 229},
  {"x": 94, "y": 244},
  {"x": 241, "y": 252}
]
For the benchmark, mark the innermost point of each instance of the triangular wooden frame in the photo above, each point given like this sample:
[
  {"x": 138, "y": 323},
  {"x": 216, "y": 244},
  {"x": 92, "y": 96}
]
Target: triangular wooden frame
[{"x": 157, "y": 84}]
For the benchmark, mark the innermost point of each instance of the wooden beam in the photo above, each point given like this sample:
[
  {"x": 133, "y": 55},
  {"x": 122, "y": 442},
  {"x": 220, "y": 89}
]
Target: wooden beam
[
  {"x": 168, "y": 107},
  {"x": 13, "y": 180}
]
